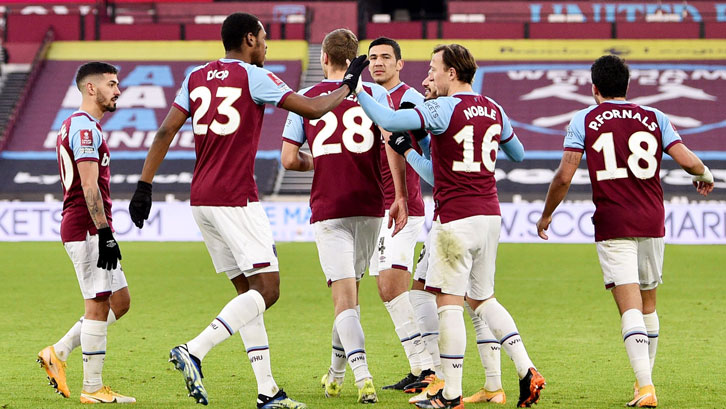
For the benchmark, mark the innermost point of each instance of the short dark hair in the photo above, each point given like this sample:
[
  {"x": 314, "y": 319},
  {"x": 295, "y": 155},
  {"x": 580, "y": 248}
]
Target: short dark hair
[
  {"x": 610, "y": 74},
  {"x": 340, "y": 45},
  {"x": 235, "y": 28},
  {"x": 93, "y": 68},
  {"x": 387, "y": 41},
  {"x": 459, "y": 58}
]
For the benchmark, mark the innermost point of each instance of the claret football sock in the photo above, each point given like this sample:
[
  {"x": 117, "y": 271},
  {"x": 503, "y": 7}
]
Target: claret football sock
[
  {"x": 254, "y": 337},
  {"x": 239, "y": 311}
]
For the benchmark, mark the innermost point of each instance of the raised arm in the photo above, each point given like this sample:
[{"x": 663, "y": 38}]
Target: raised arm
[
  {"x": 558, "y": 189},
  {"x": 314, "y": 108},
  {"x": 387, "y": 118}
]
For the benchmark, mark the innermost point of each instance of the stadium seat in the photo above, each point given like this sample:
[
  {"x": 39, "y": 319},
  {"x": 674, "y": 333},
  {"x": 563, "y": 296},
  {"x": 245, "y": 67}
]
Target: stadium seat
[
  {"x": 715, "y": 30},
  {"x": 570, "y": 31},
  {"x": 140, "y": 32},
  {"x": 32, "y": 27},
  {"x": 400, "y": 30},
  {"x": 482, "y": 30},
  {"x": 658, "y": 30},
  {"x": 202, "y": 31}
]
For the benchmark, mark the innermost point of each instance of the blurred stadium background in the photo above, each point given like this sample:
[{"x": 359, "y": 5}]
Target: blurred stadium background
[{"x": 533, "y": 57}]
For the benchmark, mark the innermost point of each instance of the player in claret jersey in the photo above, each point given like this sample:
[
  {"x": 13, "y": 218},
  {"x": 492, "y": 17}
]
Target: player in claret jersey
[
  {"x": 87, "y": 235},
  {"x": 393, "y": 262},
  {"x": 624, "y": 143},
  {"x": 467, "y": 130},
  {"x": 225, "y": 99},
  {"x": 347, "y": 202}
]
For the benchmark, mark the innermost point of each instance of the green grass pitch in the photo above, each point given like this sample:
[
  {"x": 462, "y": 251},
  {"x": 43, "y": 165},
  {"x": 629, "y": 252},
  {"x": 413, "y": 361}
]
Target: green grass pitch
[{"x": 569, "y": 324}]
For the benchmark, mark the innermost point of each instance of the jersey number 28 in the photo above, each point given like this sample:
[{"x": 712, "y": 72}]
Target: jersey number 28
[{"x": 352, "y": 128}]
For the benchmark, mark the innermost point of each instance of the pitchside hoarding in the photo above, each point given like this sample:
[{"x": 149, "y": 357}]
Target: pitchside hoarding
[{"x": 290, "y": 221}]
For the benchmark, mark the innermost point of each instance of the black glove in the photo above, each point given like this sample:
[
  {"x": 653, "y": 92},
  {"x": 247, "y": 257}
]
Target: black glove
[
  {"x": 417, "y": 133},
  {"x": 140, "y": 205},
  {"x": 352, "y": 75},
  {"x": 108, "y": 251},
  {"x": 400, "y": 142}
]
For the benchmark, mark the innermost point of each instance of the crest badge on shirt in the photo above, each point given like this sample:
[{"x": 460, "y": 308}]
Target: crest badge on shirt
[{"x": 86, "y": 137}]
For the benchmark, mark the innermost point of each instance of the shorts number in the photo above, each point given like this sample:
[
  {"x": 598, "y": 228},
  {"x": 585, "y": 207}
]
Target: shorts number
[
  {"x": 230, "y": 95},
  {"x": 605, "y": 144},
  {"x": 352, "y": 128},
  {"x": 488, "y": 145}
]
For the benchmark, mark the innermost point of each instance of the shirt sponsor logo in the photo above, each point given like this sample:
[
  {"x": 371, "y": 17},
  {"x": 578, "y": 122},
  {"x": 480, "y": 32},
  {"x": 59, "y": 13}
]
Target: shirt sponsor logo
[{"x": 86, "y": 137}]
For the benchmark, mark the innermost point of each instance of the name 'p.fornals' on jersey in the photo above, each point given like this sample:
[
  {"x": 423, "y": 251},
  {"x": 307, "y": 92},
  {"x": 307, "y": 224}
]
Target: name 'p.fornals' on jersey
[{"x": 624, "y": 144}]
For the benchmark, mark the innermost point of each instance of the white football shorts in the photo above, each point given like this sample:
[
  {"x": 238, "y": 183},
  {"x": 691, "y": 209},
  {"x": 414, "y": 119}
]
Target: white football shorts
[
  {"x": 345, "y": 245},
  {"x": 395, "y": 252},
  {"x": 239, "y": 239},
  {"x": 422, "y": 263},
  {"x": 462, "y": 256},
  {"x": 94, "y": 281},
  {"x": 632, "y": 260}
]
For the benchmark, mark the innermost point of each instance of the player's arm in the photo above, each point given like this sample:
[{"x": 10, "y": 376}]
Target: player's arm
[
  {"x": 387, "y": 118},
  {"x": 702, "y": 177},
  {"x": 295, "y": 159},
  {"x": 400, "y": 142},
  {"x": 398, "y": 212},
  {"x": 140, "y": 204},
  {"x": 108, "y": 249},
  {"x": 88, "y": 172},
  {"x": 558, "y": 189},
  {"x": 510, "y": 145},
  {"x": 162, "y": 140},
  {"x": 314, "y": 108}
]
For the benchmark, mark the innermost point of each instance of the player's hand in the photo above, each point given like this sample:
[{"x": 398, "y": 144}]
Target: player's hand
[
  {"x": 140, "y": 205},
  {"x": 417, "y": 133},
  {"x": 543, "y": 224},
  {"x": 704, "y": 183},
  {"x": 352, "y": 75},
  {"x": 400, "y": 142},
  {"x": 108, "y": 252},
  {"x": 398, "y": 213}
]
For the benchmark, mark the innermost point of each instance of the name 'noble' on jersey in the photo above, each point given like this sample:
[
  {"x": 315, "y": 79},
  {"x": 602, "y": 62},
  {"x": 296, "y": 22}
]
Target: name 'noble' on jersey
[
  {"x": 624, "y": 144},
  {"x": 467, "y": 129},
  {"x": 346, "y": 148},
  {"x": 79, "y": 140},
  {"x": 225, "y": 99}
]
